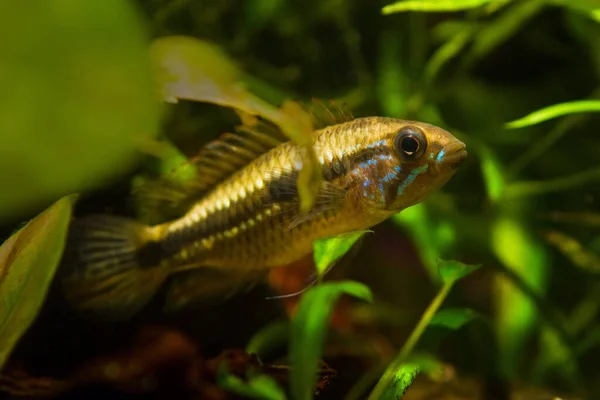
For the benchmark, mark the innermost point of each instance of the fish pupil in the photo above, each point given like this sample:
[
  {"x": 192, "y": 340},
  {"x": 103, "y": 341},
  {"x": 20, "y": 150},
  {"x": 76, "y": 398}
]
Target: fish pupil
[{"x": 409, "y": 145}]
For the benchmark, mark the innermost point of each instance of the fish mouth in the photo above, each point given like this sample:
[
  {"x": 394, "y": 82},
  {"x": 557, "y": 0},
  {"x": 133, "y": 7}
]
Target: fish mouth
[{"x": 452, "y": 155}]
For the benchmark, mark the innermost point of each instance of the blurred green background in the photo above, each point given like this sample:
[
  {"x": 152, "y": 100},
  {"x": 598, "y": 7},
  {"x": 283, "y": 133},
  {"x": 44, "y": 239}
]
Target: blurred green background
[{"x": 524, "y": 206}]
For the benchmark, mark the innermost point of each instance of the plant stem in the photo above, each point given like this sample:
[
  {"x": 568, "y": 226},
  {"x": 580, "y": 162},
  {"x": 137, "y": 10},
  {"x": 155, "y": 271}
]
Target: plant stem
[{"x": 410, "y": 343}]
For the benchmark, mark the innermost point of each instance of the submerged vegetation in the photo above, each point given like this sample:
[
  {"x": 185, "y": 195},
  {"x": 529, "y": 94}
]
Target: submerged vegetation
[{"x": 487, "y": 289}]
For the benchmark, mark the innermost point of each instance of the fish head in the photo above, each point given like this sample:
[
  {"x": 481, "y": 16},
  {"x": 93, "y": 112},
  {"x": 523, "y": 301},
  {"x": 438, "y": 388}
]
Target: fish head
[{"x": 420, "y": 158}]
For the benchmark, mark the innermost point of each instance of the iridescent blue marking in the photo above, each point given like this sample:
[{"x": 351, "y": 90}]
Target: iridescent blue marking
[
  {"x": 411, "y": 177},
  {"x": 440, "y": 155},
  {"x": 378, "y": 143}
]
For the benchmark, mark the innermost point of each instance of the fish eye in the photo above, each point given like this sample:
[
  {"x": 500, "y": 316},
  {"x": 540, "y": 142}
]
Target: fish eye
[{"x": 410, "y": 143}]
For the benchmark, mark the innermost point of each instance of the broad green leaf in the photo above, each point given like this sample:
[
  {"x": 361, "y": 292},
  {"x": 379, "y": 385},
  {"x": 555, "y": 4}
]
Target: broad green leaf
[
  {"x": 309, "y": 328},
  {"x": 28, "y": 261},
  {"x": 452, "y": 271},
  {"x": 493, "y": 176},
  {"x": 453, "y": 318},
  {"x": 516, "y": 315},
  {"x": 273, "y": 334},
  {"x": 555, "y": 111},
  {"x": 80, "y": 102},
  {"x": 261, "y": 387},
  {"x": 328, "y": 251},
  {"x": 192, "y": 69},
  {"x": 433, "y": 5}
]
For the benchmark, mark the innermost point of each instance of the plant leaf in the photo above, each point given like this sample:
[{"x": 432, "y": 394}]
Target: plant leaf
[
  {"x": 80, "y": 92},
  {"x": 309, "y": 327},
  {"x": 452, "y": 271},
  {"x": 28, "y": 261},
  {"x": 407, "y": 372},
  {"x": 328, "y": 251},
  {"x": 493, "y": 176},
  {"x": 555, "y": 111},
  {"x": 453, "y": 318},
  {"x": 433, "y": 5},
  {"x": 521, "y": 252},
  {"x": 417, "y": 222},
  {"x": 403, "y": 378},
  {"x": 197, "y": 70},
  {"x": 271, "y": 335},
  {"x": 257, "y": 387}
]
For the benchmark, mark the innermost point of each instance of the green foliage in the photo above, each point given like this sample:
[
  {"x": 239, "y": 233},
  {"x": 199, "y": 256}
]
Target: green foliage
[
  {"x": 450, "y": 272},
  {"x": 80, "y": 107},
  {"x": 264, "y": 340},
  {"x": 192, "y": 69},
  {"x": 407, "y": 372},
  {"x": 261, "y": 387},
  {"x": 453, "y": 318},
  {"x": 79, "y": 102},
  {"x": 516, "y": 315},
  {"x": 309, "y": 327},
  {"x": 555, "y": 111},
  {"x": 28, "y": 261},
  {"x": 431, "y": 6},
  {"x": 328, "y": 251}
]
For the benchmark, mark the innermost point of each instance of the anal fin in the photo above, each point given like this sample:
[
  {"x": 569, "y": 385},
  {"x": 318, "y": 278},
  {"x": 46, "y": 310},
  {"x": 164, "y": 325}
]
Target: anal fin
[{"x": 207, "y": 286}]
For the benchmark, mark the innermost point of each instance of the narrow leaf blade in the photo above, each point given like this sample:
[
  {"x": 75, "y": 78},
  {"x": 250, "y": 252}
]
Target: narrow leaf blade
[
  {"x": 555, "y": 111},
  {"x": 309, "y": 327},
  {"x": 433, "y": 5}
]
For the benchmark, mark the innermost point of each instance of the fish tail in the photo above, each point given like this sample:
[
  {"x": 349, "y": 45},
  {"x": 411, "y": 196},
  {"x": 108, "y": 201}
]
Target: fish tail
[{"x": 111, "y": 266}]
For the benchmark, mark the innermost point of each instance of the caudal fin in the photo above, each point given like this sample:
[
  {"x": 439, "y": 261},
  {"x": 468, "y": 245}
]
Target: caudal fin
[{"x": 111, "y": 266}]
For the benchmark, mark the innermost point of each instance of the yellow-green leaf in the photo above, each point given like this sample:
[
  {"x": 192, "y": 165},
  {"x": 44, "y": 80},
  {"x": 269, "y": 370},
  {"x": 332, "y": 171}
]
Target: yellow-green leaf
[
  {"x": 493, "y": 176},
  {"x": 520, "y": 251},
  {"x": 28, "y": 261},
  {"x": 453, "y": 318},
  {"x": 451, "y": 271},
  {"x": 79, "y": 100},
  {"x": 309, "y": 327},
  {"x": 328, "y": 251},
  {"x": 433, "y": 5},
  {"x": 555, "y": 111},
  {"x": 197, "y": 70}
]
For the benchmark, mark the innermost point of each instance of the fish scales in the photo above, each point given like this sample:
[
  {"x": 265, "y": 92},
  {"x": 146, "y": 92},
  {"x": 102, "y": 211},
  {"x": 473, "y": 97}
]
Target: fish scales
[
  {"x": 249, "y": 221},
  {"x": 244, "y": 222}
]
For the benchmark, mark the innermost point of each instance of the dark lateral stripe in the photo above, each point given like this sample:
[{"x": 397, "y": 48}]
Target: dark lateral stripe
[
  {"x": 280, "y": 189},
  {"x": 339, "y": 168}
]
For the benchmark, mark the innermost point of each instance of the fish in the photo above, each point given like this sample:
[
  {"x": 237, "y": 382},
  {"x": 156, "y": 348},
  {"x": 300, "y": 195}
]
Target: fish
[{"x": 240, "y": 217}]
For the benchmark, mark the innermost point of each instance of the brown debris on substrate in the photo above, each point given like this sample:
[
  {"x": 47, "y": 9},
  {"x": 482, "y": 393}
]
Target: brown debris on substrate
[{"x": 162, "y": 362}]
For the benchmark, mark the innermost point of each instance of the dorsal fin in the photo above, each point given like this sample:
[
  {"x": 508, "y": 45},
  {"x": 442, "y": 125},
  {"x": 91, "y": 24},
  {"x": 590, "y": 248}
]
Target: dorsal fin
[
  {"x": 328, "y": 113},
  {"x": 169, "y": 196}
]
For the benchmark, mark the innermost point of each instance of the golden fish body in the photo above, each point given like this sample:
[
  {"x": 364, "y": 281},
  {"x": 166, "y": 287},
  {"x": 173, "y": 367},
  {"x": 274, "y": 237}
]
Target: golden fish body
[{"x": 251, "y": 221}]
